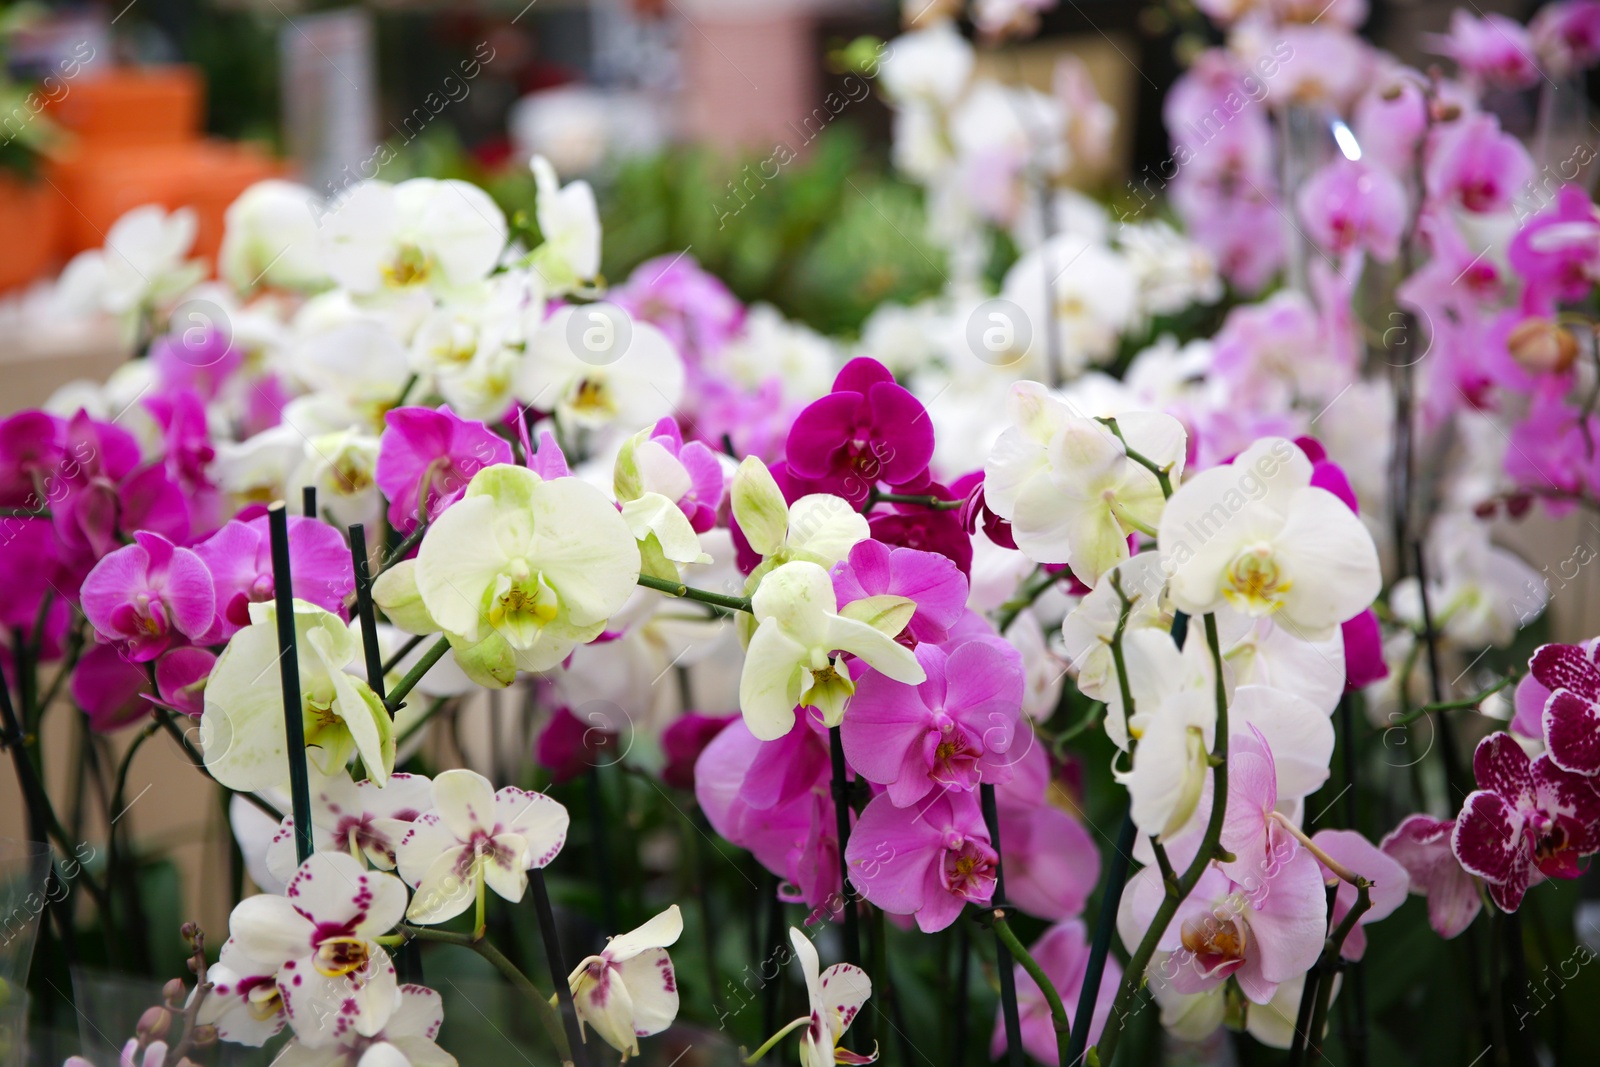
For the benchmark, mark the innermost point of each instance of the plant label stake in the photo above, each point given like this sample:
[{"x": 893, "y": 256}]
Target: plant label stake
[{"x": 289, "y": 670}]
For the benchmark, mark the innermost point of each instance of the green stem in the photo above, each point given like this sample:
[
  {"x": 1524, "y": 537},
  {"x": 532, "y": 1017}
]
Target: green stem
[
  {"x": 1328, "y": 964},
  {"x": 405, "y": 650},
  {"x": 541, "y": 1004},
  {"x": 689, "y": 592},
  {"x": 406, "y": 544},
  {"x": 924, "y": 499},
  {"x": 1463, "y": 704},
  {"x": 403, "y": 688},
  {"x": 1058, "y": 1010},
  {"x": 767, "y": 1046},
  {"x": 1178, "y": 891},
  {"x": 1163, "y": 475},
  {"x": 426, "y": 717},
  {"x": 1032, "y": 590}
]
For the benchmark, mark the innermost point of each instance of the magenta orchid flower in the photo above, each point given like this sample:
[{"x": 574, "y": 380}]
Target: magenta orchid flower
[
  {"x": 929, "y": 860},
  {"x": 142, "y": 596},
  {"x": 181, "y": 676},
  {"x": 953, "y": 731},
  {"x": 110, "y": 490},
  {"x": 1566, "y": 35},
  {"x": 1527, "y": 821},
  {"x": 1052, "y": 864},
  {"x": 868, "y": 430},
  {"x": 1421, "y": 844},
  {"x": 1477, "y": 167},
  {"x": 239, "y": 557},
  {"x": 1493, "y": 49},
  {"x": 1063, "y": 953},
  {"x": 426, "y": 457},
  {"x": 1351, "y": 206},
  {"x": 931, "y": 579},
  {"x": 686, "y": 302},
  {"x": 110, "y": 688},
  {"x": 1570, "y": 718},
  {"x": 1390, "y": 883},
  {"x": 682, "y": 743},
  {"x": 1557, "y": 254}
]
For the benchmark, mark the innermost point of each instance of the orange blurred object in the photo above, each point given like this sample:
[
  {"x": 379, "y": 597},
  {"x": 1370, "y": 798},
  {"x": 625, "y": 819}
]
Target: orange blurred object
[
  {"x": 97, "y": 186},
  {"x": 135, "y": 139},
  {"x": 30, "y": 217},
  {"x": 141, "y": 106}
]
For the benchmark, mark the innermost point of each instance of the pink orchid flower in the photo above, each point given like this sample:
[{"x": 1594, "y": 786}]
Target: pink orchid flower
[
  {"x": 1351, "y": 206},
  {"x": 427, "y": 457},
  {"x": 239, "y": 557},
  {"x": 142, "y": 596},
  {"x": 1493, "y": 49},
  {"x": 1390, "y": 884},
  {"x": 1063, "y": 952},
  {"x": 1421, "y": 844},
  {"x": 1527, "y": 821},
  {"x": 1475, "y": 166},
  {"x": 931, "y": 579},
  {"x": 951, "y": 732},
  {"x": 929, "y": 860}
]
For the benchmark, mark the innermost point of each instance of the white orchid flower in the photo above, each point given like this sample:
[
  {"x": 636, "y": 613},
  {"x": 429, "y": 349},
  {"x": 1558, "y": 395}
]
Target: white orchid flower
[
  {"x": 1258, "y": 536},
  {"x": 535, "y": 565},
  {"x": 319, "y": 939},
  {"x": 358, "y": 818},
  {"x": 594, "y": 368},
  {"x": 570, "y": 225},
  {"x": 1067, "y": 483},
  {"x": 791, "y": 658},
  {"x": 475, "y": 839},
  {"x": 1088, "y": 629},
  {"x": 270, "y": 238},
  {"x": 441, "y": 235},
  {"x": 342, "y": 466},
  {"x": 629, "y": 990},
  {"x": 1174, "y": 723},
  {"x": 242, "y": 729},
  {"x": 406, "y": 1041}
]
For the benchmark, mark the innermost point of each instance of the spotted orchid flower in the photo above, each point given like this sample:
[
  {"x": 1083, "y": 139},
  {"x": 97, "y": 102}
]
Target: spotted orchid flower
[
  {"x": 406, "y": 1040},
  {"x": 629, "y": 990},
  {"x": 836, "y": 996},
  {"x": 1528, "y": 820},
  {"x": 474, "y": 839},
  {"x": 358, "y": 818},
  {"x": 319, "y": 941}
]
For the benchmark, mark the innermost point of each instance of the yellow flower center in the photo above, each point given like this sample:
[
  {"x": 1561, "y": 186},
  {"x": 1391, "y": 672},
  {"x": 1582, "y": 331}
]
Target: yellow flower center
[
  {"x": 521, "y": 603},
  {"x": 339, "y": 956},
  {"x": 409, "y": 267},
  {"x": 594, "y": 398},
  {"x": 1254, "y": 583}
]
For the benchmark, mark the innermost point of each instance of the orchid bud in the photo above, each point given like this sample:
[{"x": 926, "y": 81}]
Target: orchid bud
[
  {"x": 174, "y": 992},
  {"x": 1541, "y": 346},
  {"x": 153, "y": 1024},
  {"x": 395, "y": 591}
]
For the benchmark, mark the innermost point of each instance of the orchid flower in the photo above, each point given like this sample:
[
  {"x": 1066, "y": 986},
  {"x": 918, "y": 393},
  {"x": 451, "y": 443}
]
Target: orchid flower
[
  {"x": 791, "y": 659},
  {"x": 1570, "y": 722},
  {"x": 143, "y": 595},
  {"x": 270, "y": 238},
  {"x": 1068, "y": 486},
  {"x": 836, "y": 996},
  {"x": 629, "y": 990},
  {"x": 242, "y": 730},
  {"x": 537, "y": 565},
  {"x": 332, "y": 977},
  {"x": 407, "y": 1040},
  {"x": 570, "y": 224},
  {"x": 594, "y": 370},
  {"x": 359, "y": 818},
  {"x": 1421, "y": 844},
  {"x": 817, "y": 528},
  {"x": 474, "y": 838},
  {"x": 421, "y": 233},
  {"x": 1257, "y": 535},
  {"x": 928, "y": 860}
]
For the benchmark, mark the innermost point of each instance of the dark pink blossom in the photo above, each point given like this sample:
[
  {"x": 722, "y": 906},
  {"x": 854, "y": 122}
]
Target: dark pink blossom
[
  {"x": 1527, "y": 821},
  {"x": 181, "y": 675},
  {"x": 568, "y": 746},
  {"x": 1421, "y": 844},
  {"x": 1051, "y": 862},
  {"x": 427, "y": 457},
  {"x": 142, "y": 596},
  {"x": 110, "y": 689},
  {"x": 1566, "y": 35},
  {"x": 707, "y": 483},
  {"x": 199, "y": 358},
  {"x": 868, "y": 430},
  {"x": 109, "y": 491},
  {"x": 1494, "y": 49},
  {"x": 683, "y": 741},
  {"x": 1557, "y": 253},
  {"x": 1570, "y": 719},
  {"x": 930, "y": 579},
  {"x": 239, "y": 557},
  {"x": 929, "y": 860}
]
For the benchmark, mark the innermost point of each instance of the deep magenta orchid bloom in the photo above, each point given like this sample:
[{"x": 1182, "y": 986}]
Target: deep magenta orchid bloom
[
  {"x": 868, "y": 430},
  {"x": 1527, "y": 821},
  {"x": 239, "y": 557},
  {"x": 142, "y": 596},
  {"x": 427, "y": 457},
  {"x": 1569, "y": 720}
]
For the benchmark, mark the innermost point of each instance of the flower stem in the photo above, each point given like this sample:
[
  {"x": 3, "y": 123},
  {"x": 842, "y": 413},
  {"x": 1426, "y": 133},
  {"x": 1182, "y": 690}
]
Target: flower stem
[
  {"x": 541, "y": 1004},
  {"x": 1463, "y": 704},
  {"x": 1328, "y": 964},
  {"x": 1032, "y": 590},
  {"x": 289, "y": 677},
  {"x": 1058, "y": 1011},
  {"x": 689, "y": 592},
  {"x": 1133, "y": 977},
  {"x": 1009, "y": 1011},
  {"x": 1163, "y": 475},
  {"x": 407, "y": 543},
  {"x": 403, "y": 651},
  {"x": 841, "y": 811},
  {"x": 770, "y": 1042},
  {"x": 403, "y": 687},
  {"x": 927, "y": 500},
  {"x": 558, "y": 970}
]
